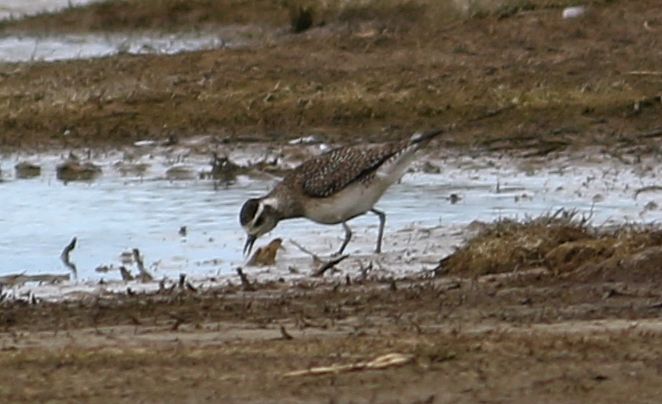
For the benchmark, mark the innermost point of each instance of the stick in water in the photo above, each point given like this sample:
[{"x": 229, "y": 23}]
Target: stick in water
[{"x": 65, "y": 256}]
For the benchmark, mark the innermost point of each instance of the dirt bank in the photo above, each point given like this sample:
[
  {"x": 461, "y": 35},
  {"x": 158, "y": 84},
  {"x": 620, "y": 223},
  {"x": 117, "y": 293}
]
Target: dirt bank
[
  {"x": 517, "y": 339},
  {"x": 525, "y": 78},
  {"x": 590, "y": 333}
]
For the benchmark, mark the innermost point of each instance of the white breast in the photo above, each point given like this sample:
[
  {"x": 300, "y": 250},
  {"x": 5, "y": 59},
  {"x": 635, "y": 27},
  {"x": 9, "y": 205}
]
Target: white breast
[
  {"x": 359, "y": 197},
  {"x": 352, "y": 201}
]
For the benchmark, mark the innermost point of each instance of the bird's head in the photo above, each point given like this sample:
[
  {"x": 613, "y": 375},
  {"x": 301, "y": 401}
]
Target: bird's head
[{"x": 257, "y": 217}]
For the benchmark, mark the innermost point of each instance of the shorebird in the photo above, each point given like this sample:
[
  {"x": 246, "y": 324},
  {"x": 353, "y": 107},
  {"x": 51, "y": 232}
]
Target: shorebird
[{"x": 333, "y": 188}]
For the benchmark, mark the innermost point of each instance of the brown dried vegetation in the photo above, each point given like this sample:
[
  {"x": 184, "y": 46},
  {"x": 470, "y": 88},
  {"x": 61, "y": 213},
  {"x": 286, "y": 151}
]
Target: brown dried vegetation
[
  {"x": 561, "y": 243},
  {"x": 525, "y": 79}
]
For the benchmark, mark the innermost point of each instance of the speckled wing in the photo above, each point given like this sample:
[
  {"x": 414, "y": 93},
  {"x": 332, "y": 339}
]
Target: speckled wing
[{"x": 331, "y": 172}]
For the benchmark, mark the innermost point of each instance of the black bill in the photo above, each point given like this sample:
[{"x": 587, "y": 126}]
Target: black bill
[{"x": 250, "y": 240}]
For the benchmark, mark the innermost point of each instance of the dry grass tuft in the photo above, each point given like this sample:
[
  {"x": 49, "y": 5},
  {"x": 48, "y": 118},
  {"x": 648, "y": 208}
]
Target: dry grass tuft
[
  {"x": 301, "y": 14},
  {"x": 561, "y": 242}
]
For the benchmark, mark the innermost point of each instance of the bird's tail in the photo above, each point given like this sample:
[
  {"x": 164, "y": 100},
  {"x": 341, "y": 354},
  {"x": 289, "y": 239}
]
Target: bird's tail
[{"x": 422, "y": 139}]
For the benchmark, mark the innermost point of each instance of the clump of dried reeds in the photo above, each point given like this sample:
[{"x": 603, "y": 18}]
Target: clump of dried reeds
[{"x": 559, "y": 242}]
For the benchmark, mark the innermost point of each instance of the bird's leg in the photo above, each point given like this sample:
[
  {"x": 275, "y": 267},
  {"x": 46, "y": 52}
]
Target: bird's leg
[
  {"x": 348, "y": 236},
  {"x": 382, "y": 221}
]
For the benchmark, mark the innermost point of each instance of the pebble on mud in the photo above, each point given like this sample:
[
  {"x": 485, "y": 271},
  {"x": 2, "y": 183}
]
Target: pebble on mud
[
  {"x": 26, "y": 169},
  {"x": 311, "y": 139},
  {"x": 73, "y": 170},
  {"x": 137, "y": 169},
  {"x": 573, "y": 12},
  {"x": 651, "y": 206},
  {"x": 430, "y": 168},
  {"x": 180, "y": 172},
  {"x": 223, "y": 169}
]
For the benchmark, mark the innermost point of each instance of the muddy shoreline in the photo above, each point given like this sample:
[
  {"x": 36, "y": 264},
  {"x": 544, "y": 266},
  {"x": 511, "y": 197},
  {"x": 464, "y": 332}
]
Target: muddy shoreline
[
  {"x": 518, "y": 337},
  {"x": 178, "y": 204}
]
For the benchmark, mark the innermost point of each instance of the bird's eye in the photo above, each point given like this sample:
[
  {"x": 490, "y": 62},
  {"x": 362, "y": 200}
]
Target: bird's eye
[{"x": 259, "y": 221}]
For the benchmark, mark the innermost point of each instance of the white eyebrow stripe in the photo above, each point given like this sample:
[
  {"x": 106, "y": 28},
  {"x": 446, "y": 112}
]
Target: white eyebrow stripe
[
  {"x": 258, "y": 212},
  {"x": 272, "y": 202}
]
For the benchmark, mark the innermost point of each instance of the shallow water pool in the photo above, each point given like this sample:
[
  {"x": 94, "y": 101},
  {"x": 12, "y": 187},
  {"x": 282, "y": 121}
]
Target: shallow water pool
[
  {"x": 115, "y": 213},
  {"x": 84, "y": 46}
]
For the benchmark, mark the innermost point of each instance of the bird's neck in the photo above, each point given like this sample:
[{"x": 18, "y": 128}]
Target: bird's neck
[{"x": 284, "y": 204}]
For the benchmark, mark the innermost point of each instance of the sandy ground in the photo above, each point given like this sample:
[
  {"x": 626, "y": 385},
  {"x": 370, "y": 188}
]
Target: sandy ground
[
  {"x": 516, "y": 338},
  {"x": 513, "y": 80}
]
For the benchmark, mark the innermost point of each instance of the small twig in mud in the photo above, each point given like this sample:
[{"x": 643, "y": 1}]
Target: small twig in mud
[
  {"x": 284, "y": 333},
  {"x": 644, "y": 73},
  {"x": 545, "y": 148},
  {"x": 178, "y": 321},
  {"x": 126, "y": 275},
  {"x": 325, "y": 266},
  {"x": 304, "y": 250},
  {"x": 138, "y": 259},
  {"x": 144, "y": 275},
  {"x": 321, "y": 265},
  {"x": 651, "y": 133},
  {"x": 365, "y": 270},
  {"x": 611, "y": 292},
  {"x": 134, "y": 320},
  {"x": 164, "y": 289},
  {"x": 651, "y": 188},
  {"x": 416, "y": 326},
  {"x": 245, "y": 283},
  {"x": 65, "y": 256},
  {"x": 190, "y": 287},
  {"x": 303, "y": 322},
  {"x": 440, "y": 269},
  {"x": 381, "y": 362},
  {"x": 493, "y": 112},
  {"x": 175, "y": 325}
]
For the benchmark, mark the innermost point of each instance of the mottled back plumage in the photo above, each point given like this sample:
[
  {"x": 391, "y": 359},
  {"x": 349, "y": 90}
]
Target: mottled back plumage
[{"x": 327, "y": 174}]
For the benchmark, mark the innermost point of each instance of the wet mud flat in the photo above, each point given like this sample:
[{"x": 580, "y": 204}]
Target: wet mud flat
[{"x": 522, "y": 336}]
